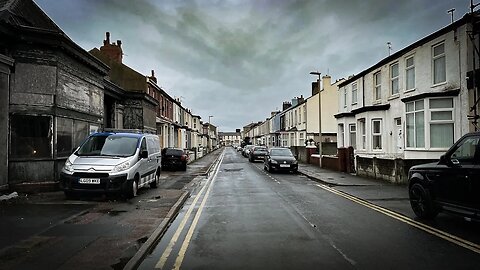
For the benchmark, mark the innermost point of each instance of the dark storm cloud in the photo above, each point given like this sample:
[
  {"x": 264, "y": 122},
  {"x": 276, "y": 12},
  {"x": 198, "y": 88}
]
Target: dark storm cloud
[{"x": 238, "y": 60}]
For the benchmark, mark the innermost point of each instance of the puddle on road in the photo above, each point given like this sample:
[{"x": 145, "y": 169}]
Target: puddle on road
[{"x": 233, "y": 170}]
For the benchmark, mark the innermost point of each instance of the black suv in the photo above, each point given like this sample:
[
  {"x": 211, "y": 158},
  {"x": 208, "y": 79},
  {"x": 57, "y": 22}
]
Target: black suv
[
  {"x": 450, "y": 185},
  {"x": 174, "y": 158}
]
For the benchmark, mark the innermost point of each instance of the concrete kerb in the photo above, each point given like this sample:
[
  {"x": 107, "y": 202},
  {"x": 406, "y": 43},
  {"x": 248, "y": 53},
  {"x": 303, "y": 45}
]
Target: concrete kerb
[
  {"x": 135, "y": 261},
  {"x": 317, "y": 179},
  {"x": 147, "y": 247}
]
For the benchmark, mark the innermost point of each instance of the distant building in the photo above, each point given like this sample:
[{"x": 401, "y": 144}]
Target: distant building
[{"x": 229, "y": 138}]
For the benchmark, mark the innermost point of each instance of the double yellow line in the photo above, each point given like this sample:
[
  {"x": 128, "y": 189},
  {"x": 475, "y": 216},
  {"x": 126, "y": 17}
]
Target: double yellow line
[
  {"x": 446, "y": 236},
  {"x": 183, "y": 249}
]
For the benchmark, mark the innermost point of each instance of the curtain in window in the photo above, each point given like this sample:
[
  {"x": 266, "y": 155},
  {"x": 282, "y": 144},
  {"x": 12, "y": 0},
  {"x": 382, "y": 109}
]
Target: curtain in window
[
  {"x": 439, "y": 71},
  {"x": 441, "y": 135}
]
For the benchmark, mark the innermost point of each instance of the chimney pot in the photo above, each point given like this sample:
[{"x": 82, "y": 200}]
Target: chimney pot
[
  {"x": 119, "y": 42},
  {"x": 153, "y": 73},
  {"x": 108, "y": 37}
]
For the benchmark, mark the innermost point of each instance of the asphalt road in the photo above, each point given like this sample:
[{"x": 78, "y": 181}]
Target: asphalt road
[{"x": 245, "y": 218}]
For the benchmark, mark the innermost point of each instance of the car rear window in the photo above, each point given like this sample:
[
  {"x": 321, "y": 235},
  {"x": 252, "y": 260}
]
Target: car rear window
[{"x": 174, "y": 152}]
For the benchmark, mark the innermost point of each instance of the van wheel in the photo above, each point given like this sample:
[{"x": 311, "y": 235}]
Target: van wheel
[
  {"x": 155, "y": 183},
  {"x": 421, "y": 202},
  {"x": 132, "y": 188}
]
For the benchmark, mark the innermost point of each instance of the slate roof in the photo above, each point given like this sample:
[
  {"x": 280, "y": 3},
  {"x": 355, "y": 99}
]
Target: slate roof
[{"x": 27, "y": 14}]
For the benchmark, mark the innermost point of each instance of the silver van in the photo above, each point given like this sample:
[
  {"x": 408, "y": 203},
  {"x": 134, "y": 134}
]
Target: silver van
[{"x": 113, "y": 162}]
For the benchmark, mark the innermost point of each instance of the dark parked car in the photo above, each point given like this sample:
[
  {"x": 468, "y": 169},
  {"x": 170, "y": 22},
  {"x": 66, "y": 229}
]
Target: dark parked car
[
  {"x": 450, "y": 185},
  {"x": 280, "y": 159},
  {"x": 174, "y": 158},
  {"x": 257, "y": 153}
]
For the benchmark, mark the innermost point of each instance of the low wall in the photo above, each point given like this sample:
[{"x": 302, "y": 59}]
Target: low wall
[
  {"x": 300, "y": 152},
  {"x": 331, "y": 163},
  {"x": 391, "y": 170}
]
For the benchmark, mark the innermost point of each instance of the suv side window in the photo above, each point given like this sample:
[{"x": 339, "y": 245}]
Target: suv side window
[{"x": 467, "y": 151}]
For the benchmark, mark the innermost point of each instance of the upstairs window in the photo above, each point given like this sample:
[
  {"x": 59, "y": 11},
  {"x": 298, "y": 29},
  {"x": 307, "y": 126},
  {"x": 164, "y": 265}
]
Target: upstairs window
[
  {"x": 377, "y": 82},
  {"x": 394, "y": 87},
  {"x": 354, "y": 93},
  {"x": 410, "y": 73},
  {"x": 439, "y": 65}
]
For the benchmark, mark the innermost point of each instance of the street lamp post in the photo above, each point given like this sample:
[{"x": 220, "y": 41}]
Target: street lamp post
[{"x": 319, "y": 118}]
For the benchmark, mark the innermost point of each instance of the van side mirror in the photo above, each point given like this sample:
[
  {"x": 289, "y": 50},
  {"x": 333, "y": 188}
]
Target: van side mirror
[{"x": 144, "y": 154}]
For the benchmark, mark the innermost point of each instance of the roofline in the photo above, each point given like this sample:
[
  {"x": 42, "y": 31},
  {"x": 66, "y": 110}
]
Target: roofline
[{"x": 403, "y": 51}]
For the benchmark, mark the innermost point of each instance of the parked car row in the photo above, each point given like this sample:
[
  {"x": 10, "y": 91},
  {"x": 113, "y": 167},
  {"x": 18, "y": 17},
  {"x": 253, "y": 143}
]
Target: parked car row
[{"x": 274, "y": 159}]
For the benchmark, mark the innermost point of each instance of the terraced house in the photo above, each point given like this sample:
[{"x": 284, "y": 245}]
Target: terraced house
[{"x": 411, "y": 106}]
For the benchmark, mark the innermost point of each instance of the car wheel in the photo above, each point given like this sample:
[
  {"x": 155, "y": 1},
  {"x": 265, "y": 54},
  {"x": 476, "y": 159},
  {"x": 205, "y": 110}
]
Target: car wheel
[
  {"x": 421, "y": 202},
  {"x": 155, "y": 183},
  {"x": 250, "y": 159},
  {"x": 270, "y": 170},
  {"x": 295, "y": 171},
  {"x": 184, "y": 167},
  {"x": 264, "y": 167}
]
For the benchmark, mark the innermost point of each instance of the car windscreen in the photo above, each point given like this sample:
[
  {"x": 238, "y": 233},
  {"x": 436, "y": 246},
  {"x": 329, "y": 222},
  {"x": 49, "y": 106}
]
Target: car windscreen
[
  {"x": 260, "y": 149},
  {"x": 173, "y": 152},
  {"x": 109, "y": 145},
  {"x": 281, "y": 152}
]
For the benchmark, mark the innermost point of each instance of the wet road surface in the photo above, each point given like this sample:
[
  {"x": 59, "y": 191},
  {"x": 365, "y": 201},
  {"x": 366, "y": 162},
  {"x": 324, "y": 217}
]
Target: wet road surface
[{"x": 245, "y": 218}]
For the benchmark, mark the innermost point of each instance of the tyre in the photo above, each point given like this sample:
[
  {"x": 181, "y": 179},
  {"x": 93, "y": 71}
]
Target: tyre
[
  {"x": 250, "y": 159},
  {"x": 184, "y": 167},
  {"x": 421, "y": 202},
  {"x": 270, "y": 170},
  {"x": 295, "y": 171},
  {"x": 155, "y": 183},
  {"x": 132, "y": 188}
]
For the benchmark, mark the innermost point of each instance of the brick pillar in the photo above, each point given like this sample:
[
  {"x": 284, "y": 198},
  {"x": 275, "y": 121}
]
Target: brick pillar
[{"x": 342, "y": 159}]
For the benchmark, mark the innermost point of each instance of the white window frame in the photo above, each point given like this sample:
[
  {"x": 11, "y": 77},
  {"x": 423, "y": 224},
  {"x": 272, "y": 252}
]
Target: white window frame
[
  {"x": 377, "y": 85},
  {"x": 354, "y": 93},
  {"x": 433, "y": 122},
  {"x": 415, "y": 112},
  {"x": 394, "y": 79},
  {"x": 363, "y": 133},
  {"x": 377, "y": 134},
  {"x": 409, "y": 68},
  {"x": 341, "y": 131},
  {"x": 352, "y": 134},
  {"x": 436, "y": 58}
]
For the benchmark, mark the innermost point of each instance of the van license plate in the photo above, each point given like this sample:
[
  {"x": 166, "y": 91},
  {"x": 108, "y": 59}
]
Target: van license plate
[{"x": 89, "y": 181}]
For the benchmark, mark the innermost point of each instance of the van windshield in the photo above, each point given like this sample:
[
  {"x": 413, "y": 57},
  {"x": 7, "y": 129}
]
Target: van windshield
[{"x": 109, "y": 145}]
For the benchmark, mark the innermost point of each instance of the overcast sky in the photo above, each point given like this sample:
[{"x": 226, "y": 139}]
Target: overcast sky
[{"x": 239, "y": 60}]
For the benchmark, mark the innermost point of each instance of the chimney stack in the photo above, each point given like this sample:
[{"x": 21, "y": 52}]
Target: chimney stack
[
  {"x": 153, "y": 78},
  {"x": 112, "y": 50}
]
